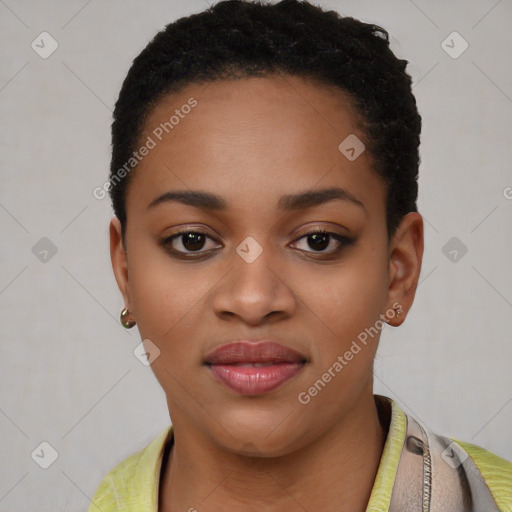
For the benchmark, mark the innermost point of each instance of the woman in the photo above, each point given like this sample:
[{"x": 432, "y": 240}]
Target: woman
[{"x": 264, "y": 181}]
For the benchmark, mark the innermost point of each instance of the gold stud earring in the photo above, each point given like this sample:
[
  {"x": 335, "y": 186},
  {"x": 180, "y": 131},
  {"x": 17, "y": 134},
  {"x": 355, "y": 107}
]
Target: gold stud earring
[{"x": 125, "y": 322}]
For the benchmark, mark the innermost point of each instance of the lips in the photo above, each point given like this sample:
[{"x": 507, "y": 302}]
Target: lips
[
  {"x": 253, "y": 368},
  {"x": 245, "y": 352}
]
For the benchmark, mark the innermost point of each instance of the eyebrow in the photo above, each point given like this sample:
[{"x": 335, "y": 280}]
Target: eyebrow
[{"x": 289, "y": 202}]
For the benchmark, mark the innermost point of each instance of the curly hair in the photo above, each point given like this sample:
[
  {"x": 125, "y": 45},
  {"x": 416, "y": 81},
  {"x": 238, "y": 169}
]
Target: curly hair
[{"x": 239, "y": 38}]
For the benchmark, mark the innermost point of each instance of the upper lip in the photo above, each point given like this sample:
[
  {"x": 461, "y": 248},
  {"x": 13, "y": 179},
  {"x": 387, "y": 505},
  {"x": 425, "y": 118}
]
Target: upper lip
[{"x": 246, "y": 351}]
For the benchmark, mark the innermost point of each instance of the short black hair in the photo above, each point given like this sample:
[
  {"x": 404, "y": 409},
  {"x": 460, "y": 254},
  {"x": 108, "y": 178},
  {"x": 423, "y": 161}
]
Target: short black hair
[{"x": 240, "y": 38}]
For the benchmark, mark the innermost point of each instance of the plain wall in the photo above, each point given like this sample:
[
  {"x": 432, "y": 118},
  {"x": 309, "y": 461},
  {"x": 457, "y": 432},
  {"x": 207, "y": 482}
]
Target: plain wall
[{"x": 68, "y": 373}]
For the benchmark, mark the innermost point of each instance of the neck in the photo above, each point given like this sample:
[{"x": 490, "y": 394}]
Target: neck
[{"x": 340, "y": 467}]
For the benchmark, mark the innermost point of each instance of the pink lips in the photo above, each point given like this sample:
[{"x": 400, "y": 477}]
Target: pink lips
[{"x": 251, "y": 368}]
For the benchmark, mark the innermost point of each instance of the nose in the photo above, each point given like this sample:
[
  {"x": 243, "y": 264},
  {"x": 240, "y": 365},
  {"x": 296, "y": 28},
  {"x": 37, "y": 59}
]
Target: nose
[{"x": 255, "y": 291}]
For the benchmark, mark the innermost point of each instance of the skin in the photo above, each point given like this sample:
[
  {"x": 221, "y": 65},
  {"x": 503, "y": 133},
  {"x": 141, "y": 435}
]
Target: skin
[{"x": 252, "y": 141}]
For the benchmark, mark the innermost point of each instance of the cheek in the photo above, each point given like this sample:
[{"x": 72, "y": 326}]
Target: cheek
[
  {"x": 348, "y": 308},
  {"x": 165, "y": 304},
  {"x": 162, "y": 293},
  {"x": 347, "y": 328}
]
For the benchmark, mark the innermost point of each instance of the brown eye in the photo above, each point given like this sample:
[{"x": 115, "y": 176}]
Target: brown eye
[
  {"x": 187, "y": 242},
  {"x": 193, "y": 241},
  {"x": 320, "y": 240}
]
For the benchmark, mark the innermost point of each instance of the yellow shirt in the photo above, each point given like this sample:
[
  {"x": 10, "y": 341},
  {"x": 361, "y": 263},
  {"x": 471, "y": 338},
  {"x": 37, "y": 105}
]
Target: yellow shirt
[{"x": 133, "y": 485}]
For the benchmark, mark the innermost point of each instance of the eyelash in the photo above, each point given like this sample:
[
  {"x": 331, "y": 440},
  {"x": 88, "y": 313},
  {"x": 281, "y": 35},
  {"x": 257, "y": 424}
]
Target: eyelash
[{"x": 343, "y": 241}]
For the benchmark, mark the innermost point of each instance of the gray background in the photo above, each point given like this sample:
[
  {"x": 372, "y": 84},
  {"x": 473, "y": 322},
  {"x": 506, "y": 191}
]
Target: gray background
[{"x": 68, "y": 373}]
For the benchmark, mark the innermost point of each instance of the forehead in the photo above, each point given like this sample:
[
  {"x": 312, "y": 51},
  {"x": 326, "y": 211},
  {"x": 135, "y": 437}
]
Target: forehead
[{"x": 254, "y": 139}]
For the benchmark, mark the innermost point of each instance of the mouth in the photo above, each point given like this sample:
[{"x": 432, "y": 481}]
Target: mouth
[{"x": 254, "y": 368}]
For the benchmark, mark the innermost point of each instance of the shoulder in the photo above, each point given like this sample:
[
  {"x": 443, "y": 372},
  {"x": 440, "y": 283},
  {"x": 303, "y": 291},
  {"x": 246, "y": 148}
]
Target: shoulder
[
  {"x": 496, "y": 471},
  {"x": 133, "y": 483},
  {"x": 452, "y": 474},
  {"x": 114, "y": 490}
]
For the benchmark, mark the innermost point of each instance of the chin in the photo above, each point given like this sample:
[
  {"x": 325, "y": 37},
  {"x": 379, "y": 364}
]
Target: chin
[{"x": 258, "y": 431}]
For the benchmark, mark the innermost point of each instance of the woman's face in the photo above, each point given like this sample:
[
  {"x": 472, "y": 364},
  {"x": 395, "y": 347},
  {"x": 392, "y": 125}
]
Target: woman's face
[{"x": 252, "y": 272}]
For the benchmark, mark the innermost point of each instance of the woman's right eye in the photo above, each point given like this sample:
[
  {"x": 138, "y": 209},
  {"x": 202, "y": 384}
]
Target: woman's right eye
[{"x": 187, "y": 242}]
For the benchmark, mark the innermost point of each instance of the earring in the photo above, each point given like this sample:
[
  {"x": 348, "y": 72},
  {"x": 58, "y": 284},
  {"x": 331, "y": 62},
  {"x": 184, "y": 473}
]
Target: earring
[
  {"x": 125, "y": 322},
  {"x": 398, "y": 312}
]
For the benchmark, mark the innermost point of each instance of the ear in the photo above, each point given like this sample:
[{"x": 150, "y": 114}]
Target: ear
[
  {"x": 405, "y": 258},
  {"x": 119, "y": 261}
]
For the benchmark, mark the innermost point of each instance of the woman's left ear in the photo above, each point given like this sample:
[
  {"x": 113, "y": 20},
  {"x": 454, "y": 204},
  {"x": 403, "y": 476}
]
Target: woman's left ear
[{"x": 405, "y": 258}]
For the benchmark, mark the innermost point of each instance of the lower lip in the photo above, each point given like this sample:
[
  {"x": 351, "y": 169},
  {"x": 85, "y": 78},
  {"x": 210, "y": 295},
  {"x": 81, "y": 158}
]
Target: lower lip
[{"x": 255, "y": 380}]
